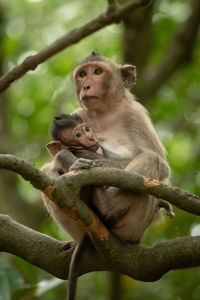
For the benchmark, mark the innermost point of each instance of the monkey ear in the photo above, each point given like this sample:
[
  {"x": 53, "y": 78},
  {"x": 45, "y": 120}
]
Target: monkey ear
[
  {"x": 128, "y": 74},
  {"x": 54, "y": 147}
]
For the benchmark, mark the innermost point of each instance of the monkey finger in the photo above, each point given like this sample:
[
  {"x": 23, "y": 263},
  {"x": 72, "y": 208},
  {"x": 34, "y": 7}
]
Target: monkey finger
[
  {"x": 87, "y": 163},
  {"x": 82, "y": 163}
]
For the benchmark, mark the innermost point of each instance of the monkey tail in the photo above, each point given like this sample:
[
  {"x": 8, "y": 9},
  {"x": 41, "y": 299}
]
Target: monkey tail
[{"x": 73, "y": 268}]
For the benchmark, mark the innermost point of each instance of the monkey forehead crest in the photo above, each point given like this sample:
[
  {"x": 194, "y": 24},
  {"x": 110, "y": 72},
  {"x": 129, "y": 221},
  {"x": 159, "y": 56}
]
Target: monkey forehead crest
[
  {"x": 103, "y": 62},
  {"x": 93, "y": 57}
]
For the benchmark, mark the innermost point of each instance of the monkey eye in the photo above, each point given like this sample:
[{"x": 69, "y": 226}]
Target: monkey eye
[
  {"x": 79, "y": 134},
  {"x": 98, "y": 71},
  {"x": 87, "y": 129},
  {"x": 82, "y": 74}
]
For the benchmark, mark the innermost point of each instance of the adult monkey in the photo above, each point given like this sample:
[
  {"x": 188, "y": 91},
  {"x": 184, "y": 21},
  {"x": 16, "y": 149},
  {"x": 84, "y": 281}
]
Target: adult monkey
[{"x": 124, "y": 128}]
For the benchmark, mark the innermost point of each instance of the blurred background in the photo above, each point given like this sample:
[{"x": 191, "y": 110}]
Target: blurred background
[{"x": 164, "y": 43}]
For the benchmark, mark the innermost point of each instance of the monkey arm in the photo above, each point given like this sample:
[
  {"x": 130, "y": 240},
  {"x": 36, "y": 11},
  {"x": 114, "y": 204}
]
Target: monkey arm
[
  {"x": 119, "y": 163},
  {"x": 65, "y": 157},
  {"x": 149, "y": 164},
  {"x": 101, "y": 161},
  {"x": 87, "y": 154}
]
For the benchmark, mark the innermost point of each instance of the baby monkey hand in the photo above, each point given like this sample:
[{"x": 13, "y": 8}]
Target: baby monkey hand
[{"x": 82, "y": 163}]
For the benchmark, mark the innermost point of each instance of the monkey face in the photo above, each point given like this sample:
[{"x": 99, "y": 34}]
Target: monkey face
[
  {"x": 79, "y": 137},
  {"x": 92, "y": 83}
]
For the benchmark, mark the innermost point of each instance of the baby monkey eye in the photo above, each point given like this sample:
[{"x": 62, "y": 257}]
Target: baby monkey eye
[
  {"x": 98, "y": 71},
  {"x": 78, "y": 134},
  {"x": 87, "y": 129},
  {"x": 82, "y": 74}
]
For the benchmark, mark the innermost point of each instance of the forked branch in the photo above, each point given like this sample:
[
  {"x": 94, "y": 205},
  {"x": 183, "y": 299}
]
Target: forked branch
[
  {"x": 65, "y": 189},
  {"x": 137, "y": 261},
  {"x": 147, "y": 264}
]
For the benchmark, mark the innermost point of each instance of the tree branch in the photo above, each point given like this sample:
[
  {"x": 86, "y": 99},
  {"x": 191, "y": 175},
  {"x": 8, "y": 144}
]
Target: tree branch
[
  {"x": 178, "y": 52},
  {"x": 104, "y": 19},
  {"x": 64, "y": 190},
  {"x": 28, "y": 171},
  {"x": 147, "y": 264}
]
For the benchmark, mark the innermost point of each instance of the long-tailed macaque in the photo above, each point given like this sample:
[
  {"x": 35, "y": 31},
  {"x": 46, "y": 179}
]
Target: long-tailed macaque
[
  {"x": 123, "y": 127},
  {"x": 70, "y": 132}
]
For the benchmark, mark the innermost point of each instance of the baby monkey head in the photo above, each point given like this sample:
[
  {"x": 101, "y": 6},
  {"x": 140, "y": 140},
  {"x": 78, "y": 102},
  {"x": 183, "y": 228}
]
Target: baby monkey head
[{"x": 71, "y": 132}]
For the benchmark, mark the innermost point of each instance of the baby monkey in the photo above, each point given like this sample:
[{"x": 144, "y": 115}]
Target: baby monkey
[
  {"x": 72, "y": 133},
  {"x": 69, "y": 131}
]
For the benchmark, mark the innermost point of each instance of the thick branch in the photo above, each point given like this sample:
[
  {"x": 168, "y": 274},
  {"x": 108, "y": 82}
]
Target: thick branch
[
  {"x": 178, "y": 52},
  {"x": 64, "y": 192},
  {"x": 41, "y": 250},
  {"x": 147, "y": 264},
  {"x": 104, "y": 19},
  {"x": 68, "y": 186},
  {"x": 141, "y": 184},
  {"x": 28, "y": 171}
]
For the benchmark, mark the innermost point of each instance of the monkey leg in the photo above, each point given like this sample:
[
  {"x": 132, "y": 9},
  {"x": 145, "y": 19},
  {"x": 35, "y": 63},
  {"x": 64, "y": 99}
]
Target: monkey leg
[
  {"x": 164, "y": 204},
  {"x": 134, "y": 212},
  {"x": 149, "y": 164}
]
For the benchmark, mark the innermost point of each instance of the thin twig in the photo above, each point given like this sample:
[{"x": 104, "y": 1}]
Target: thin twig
[{"x": 104, "y": 19}]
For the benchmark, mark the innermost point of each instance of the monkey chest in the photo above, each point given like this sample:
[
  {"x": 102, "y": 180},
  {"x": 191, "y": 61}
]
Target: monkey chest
[{"x": 116, "y": 148}]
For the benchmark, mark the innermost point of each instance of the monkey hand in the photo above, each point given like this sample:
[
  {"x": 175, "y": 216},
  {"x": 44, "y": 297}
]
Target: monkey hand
[{"x": 82, "y": 163}]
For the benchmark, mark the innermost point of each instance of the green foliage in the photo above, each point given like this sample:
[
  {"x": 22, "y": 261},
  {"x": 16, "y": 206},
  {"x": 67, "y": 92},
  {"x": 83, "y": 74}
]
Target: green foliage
[{"x": 30, "y": 25}]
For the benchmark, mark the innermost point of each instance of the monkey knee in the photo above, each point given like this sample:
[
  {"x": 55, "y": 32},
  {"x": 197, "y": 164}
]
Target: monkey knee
[{"x": 149, "y": 164}]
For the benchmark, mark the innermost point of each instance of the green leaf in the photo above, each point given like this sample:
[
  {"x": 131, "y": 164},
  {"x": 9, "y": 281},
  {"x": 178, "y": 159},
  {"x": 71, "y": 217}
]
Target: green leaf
[{"x": 10, "y": 280}]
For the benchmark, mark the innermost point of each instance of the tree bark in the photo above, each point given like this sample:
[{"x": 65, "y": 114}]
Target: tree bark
[{"x": 137, "y": 261}]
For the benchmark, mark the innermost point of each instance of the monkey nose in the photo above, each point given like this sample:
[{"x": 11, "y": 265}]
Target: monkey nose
[
  {"x": 86, "y": 87},
  {"x": 92, "y": 138}
]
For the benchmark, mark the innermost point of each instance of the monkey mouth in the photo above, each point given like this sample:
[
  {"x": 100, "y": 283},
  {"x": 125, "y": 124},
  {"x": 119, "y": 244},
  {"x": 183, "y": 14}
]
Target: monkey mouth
[
  {"x": 89, "y": 97},
  {"x": 94, "y": 147}
]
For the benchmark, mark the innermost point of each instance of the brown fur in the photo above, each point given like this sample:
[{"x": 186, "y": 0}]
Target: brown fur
[
  {"x": 124, "y": 129},
  {"x": 123, "y": 126}
]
